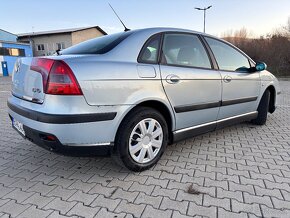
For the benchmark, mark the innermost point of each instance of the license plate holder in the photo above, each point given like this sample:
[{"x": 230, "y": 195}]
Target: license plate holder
[{"x": 18, "y": 126}]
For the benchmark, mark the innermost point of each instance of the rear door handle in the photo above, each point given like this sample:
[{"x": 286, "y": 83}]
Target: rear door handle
[
  {"x": 227, "y": 79},
  {"x": 172, "y": 79}
]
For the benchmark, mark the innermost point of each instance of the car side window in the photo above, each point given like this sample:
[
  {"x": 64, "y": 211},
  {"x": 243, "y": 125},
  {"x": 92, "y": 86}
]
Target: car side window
[
  {"x": 184, "y": 50},
  {"x": 227, "y": 57},
  {"x": 149, "y": 52}
]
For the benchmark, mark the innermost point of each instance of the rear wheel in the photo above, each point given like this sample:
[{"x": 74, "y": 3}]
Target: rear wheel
[
  {"x": 263, "y": 109},
  {"x": 141, "y": 139}
]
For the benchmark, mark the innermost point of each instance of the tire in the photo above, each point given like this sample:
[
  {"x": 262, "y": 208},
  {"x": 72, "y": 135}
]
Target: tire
[
  {"x": 263, "y": 109},
  {"x": 134, "y": 145}
]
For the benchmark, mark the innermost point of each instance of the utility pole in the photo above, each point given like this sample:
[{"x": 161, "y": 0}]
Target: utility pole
[{"x": 204, "y": 14}]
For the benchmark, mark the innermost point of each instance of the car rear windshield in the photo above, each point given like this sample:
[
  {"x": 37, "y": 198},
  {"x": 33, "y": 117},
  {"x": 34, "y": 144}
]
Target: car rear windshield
[{"x": 100, "y": 45}]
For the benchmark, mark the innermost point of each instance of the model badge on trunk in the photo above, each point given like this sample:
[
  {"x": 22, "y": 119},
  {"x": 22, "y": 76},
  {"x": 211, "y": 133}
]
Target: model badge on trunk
[{"x": 36, "y": 90}]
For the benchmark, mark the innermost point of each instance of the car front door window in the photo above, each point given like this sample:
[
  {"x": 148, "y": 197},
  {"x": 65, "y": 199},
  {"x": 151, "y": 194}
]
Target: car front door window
[{"x": 228, "y": 58}]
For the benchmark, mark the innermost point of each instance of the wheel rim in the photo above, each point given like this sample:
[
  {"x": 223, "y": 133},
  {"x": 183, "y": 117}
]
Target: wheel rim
[{"x": 145, "y": 140}]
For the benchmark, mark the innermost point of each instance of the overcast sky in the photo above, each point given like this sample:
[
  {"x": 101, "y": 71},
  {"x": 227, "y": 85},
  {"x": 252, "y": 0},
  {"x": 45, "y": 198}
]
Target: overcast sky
[{"x": 258, "y": 16}]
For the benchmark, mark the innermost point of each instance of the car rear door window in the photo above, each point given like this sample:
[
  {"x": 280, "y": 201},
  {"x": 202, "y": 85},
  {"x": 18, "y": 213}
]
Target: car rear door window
[
  {"x": 149, "y": 52},
  {"x": 228, "y": 58},
  {"x": 184, "y": 50}
]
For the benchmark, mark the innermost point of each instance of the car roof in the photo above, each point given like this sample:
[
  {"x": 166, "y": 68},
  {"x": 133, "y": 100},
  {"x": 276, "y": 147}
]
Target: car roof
[{"x": 165, "y": 29}]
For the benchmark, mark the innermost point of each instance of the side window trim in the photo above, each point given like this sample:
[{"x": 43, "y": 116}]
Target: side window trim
[
  {"x": 161, "y": 62},
  {"x": 210, "y": 53}
]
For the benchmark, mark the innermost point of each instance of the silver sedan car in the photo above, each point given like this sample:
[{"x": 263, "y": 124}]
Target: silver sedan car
[{"x": 137, "y": 91}]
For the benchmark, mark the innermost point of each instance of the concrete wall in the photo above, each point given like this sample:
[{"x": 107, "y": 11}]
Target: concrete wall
[
  {"x": 83, "y": 35},
  {"x": 6, "y": 36}
]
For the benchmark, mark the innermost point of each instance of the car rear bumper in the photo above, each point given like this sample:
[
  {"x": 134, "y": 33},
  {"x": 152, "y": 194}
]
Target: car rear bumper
[
  {"x": 44, "y": 140},
  {"x": 60, "y": 119},
  {"x": 93, "y": 128}
]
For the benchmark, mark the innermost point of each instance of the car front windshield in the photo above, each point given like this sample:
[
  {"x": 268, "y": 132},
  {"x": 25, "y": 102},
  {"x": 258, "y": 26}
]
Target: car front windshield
[{"x": 99, "y": 45}]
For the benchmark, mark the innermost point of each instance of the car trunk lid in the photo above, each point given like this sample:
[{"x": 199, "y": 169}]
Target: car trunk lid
[
  {"x": 33, "y": 78},
  {"x": 27, "y": 84}
]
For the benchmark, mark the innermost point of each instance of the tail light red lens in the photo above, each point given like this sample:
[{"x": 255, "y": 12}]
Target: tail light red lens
[
  {"x": 42, "y": 66},
  {"x": 58, "y": 78}
]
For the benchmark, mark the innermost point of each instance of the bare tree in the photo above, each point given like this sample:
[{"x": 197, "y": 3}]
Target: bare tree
[
  {"x": 288, "y": 25},
  {"x": 273, "y": 48}
]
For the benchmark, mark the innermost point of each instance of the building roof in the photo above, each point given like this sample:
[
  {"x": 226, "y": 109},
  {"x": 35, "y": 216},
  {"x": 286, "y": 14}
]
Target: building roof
[
  {"x": 8, "y": 32},
  {"x": 60, "y": 31},
  {"x": 14, "y": 43}
]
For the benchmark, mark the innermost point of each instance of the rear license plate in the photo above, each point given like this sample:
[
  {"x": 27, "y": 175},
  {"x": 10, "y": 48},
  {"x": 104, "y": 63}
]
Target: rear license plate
[{"x": 18, "y": 126}]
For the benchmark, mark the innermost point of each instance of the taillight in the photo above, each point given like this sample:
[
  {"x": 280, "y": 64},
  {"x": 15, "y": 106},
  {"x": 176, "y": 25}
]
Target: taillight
[
  {"x": 57, "y": 77},
  {"x": 42, "y": 66}
]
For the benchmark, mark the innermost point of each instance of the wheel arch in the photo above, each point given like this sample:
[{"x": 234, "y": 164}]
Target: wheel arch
[
  {"x": 272, "y": 102},
  {"x": 160, "y": 107}
]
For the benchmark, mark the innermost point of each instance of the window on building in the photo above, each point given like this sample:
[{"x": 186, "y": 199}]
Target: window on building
[
  {"x": 18, "y": 52},
  {"x": 40, "y": 47},
  {"x": 4, "y": 51},
  {"x": 60, "y": 46}
]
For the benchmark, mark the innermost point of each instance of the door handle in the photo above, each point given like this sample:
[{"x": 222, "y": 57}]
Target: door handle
[
  {"x": 227, "y": 79},
  {"x": 172, "y": 79}
]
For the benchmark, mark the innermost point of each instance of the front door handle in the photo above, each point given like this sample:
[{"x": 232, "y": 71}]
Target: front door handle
[
  {"x": 227, "y": 79},
  {"x": 172, "y": 79}
]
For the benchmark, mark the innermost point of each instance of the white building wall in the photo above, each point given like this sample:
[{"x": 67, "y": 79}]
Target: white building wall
[{"x": 49, "y": 42}]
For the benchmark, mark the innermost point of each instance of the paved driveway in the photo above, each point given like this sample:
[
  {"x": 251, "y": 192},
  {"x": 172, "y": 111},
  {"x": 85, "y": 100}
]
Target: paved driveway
[{"x": 240, "y": 171}]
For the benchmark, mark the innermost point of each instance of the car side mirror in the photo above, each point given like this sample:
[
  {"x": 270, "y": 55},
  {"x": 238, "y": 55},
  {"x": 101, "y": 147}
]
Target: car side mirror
[{"x": 260, "y": 66}]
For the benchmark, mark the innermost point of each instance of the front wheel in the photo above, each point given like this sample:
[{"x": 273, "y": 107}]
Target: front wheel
[
  {"x": 141, "y": 139},
  {"x": 263, "y": 109}
]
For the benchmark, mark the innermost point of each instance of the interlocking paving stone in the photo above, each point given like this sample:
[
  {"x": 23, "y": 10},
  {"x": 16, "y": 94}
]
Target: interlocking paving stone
[
  {"x": 135, "y": 209},
  {"x": 151, "y": 212},
  {"x": 270, "y": 212},
  {"x": 221, "y": 203},
  {"x": 104, "y": 213},
  {"x": 63, "y": 193},
  {"x": 60, "y": 205},
  {"x": 227, "y": 214},
  {"x": 38, "y": 200},
  {"x": 83, "y": 211},
  {"x": 41, "y": 188},
  {"x": 154, "y": 201},
  {"x": 19, "y": 195},
  {"x": 141, "y": 188},
  {"x": 126, "y": 195},
  {"x": 195, "y": 210},
  {"x": 5, "y": 190},
  {"x": 241, "y": 171},
  {"x": 56, "y": 214},
  {"x": 102, "y": 201},
  {"x": 34, "y": 212},
  {"x": 13, "y": 208},
  {"x": 180, "y": 206},
  {"x": 265, "y": 200},
  {"x": 85, "y": 198},
  {"x": 171, "y": 193},
  {"x": 243, "y": 207}
]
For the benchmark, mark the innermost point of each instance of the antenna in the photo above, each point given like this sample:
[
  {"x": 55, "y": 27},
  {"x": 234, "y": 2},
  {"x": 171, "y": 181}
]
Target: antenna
[{"x": 126, "y": 29}]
